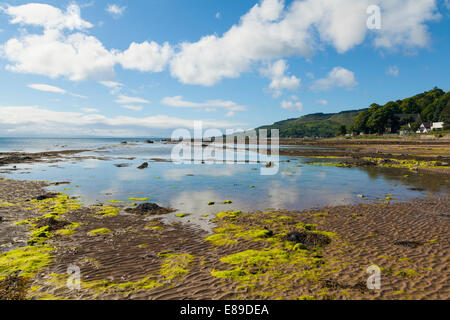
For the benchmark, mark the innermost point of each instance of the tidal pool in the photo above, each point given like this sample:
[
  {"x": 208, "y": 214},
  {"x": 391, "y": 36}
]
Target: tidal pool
[{"x": 190, "y": 188}]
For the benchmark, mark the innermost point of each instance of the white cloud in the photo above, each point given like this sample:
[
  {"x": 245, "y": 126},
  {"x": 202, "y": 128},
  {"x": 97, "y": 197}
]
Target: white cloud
[
  {"x": 404, "y": 23},
  {"x": 53, "y": 89},
  {"x": 292, "y": 105},
  {"x": 115, "y": 87},
  {"x": 127, "y": 100},
  {"x": 393, "y": 71},
  {"x": 90, "y": 110},
  {"x": 178, "y": 102},
  {"x": 280, "y": 81},
  {"x": 337, "y": 78},
  {"x": 32, "y": 119},
  {"x": 322, "y": 102},
  {"x": 111, "y": 84},
  {"x": 77, "y": 56},
  {"x": 115, "y": 10},
  {"x": 134, "y": 108},
  {"x": 46, "y": 16},
  {"x": 146, "y": 56},
  {"x": 47, "y": 88},
  {"x": 272, "y": 31},
  {"x": 78, "y": 96},
  {"x": 218, "y": 15}
]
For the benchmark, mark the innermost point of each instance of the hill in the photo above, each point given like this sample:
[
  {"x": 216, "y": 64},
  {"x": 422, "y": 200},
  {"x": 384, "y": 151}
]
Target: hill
[
  {"x": 315, "y": 125},
  {"x": 430, "y": 106}
]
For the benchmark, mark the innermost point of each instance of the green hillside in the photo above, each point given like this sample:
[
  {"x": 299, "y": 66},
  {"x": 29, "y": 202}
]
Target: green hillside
[
  {"x": 315, "y": 125},
  {"x": 430, "y": 106}
]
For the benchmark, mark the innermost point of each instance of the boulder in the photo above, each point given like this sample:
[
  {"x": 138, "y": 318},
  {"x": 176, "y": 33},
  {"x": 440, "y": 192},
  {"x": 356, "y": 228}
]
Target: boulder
[
  {"x": 308, "y": 238},
  {"x": 143, "y": 166},
  {"x": 122, "y": 165},
  {"x": 52, "y": 224},
  {"x": 46, "y": 196},
  {"x": 149, "y": 209}
]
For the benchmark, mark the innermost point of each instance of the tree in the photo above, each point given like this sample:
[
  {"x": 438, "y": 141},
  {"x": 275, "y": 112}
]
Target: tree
[
  {"x": 342, "y": 131},
  {"x": 360, "y": 123}
]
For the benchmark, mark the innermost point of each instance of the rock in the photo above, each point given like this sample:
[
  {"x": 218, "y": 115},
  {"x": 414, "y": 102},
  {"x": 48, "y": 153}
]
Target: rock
[
  {"x": 60, "y": 183},
  {"x": 52, "y": 224},
  {"x": 269, "y": 232},
  {"x": 14, "y": 287},
  {"x": 149, "y": 209},
  {"x": 361, "y": 196},
  {"x": 410, "y": 244},
  {"x": 124, "y": 142},
  {"x": 46, "y": 196},
  {"x": 310, "y": 239},
  {"x": 149, "y": 141},
  {"x": 1, "y": 219},
  {"x": 122, "y": 165},
  {"x": 143, "y": 166}
]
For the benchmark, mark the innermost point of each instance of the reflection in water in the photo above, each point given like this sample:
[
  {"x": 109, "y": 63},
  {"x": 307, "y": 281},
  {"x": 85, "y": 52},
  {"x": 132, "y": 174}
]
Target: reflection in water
[{"x": 190, "y": 187}]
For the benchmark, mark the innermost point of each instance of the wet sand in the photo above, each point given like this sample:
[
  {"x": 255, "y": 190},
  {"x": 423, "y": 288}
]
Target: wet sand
[{"x": 133, "y": 257}]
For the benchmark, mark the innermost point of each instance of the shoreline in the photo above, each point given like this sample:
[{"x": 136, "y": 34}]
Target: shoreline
[
  {"x": 429, "y": 156},
  {"x": 130, "y": 257}
]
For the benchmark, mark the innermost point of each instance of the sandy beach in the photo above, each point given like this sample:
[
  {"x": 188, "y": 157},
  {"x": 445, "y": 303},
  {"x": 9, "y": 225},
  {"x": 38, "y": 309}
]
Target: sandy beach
[{"x": 248, "y": 256}]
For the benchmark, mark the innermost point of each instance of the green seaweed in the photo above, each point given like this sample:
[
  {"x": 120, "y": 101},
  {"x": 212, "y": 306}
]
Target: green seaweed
[
  {"x": 99, "y": 232},
  {"x": 26, "y": 260},
  {"x": 175, "y": 265}
]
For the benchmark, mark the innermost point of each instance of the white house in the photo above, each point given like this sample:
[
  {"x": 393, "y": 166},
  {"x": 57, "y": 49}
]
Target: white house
[
  {"x": 437, "y": 126},
  {"x": 425, "y": 127}
]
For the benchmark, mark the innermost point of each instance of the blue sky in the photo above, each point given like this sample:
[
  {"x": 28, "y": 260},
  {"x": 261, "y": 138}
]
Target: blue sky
[{"x": 144, "y": 68}]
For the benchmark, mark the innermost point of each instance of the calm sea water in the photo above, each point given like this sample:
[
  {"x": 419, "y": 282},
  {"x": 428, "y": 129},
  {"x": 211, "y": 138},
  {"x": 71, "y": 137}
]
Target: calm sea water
[{"x": 190, "y": 187}]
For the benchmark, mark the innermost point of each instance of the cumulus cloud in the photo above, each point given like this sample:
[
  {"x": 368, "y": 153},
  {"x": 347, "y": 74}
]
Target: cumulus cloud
[
  {"x": 122, "y": 99},
  {"x": 271, "y": 30},
  {"x": 209, "y": 105},
  {"x": 280, "y": 81},
  {"x": 393, "y": 71},
  {"x": 292, "y": 105},
  {"x": 146, "y": 56},
  {"x": 77, "y": 56},
  {"x": 115, "y": 10},
  {"x": 47, "y": 16},
  {"x": 337, "y": 78}
]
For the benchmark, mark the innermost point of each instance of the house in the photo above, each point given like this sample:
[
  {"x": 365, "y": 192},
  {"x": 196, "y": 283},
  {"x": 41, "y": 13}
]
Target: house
[
  {"x": 425, "y": 127},
  {"x": 437, "y": 126}
]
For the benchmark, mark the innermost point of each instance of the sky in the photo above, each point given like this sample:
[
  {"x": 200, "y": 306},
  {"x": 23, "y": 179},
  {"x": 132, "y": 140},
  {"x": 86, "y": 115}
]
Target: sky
[{"x": 147, "y": 67}]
